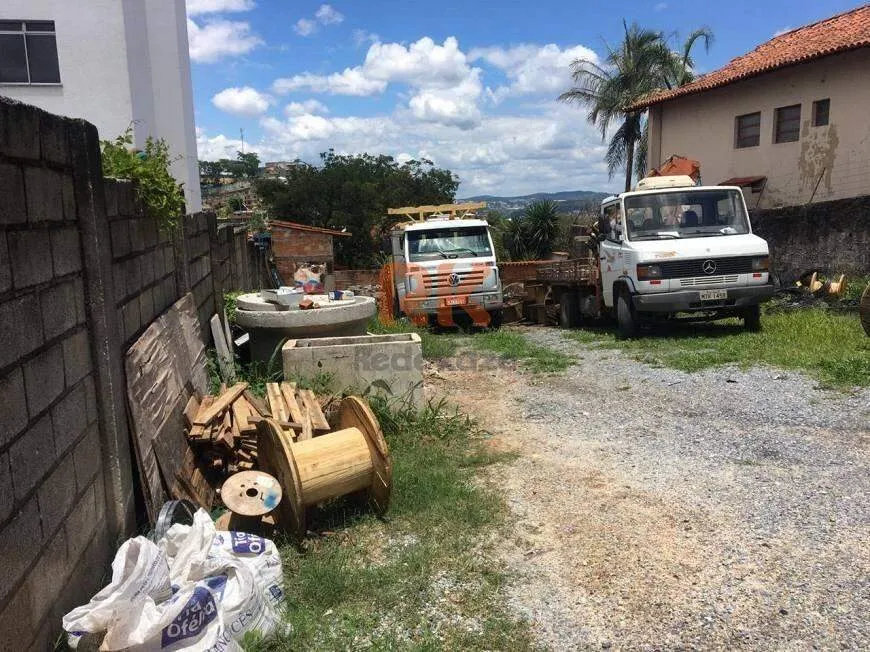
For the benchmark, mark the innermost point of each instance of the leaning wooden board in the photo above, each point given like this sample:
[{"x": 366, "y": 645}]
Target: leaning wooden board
[{"x": 164, "y": 366}]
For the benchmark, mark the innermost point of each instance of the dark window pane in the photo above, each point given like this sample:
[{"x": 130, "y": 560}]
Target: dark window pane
[
  {"x": 748, "y": 130},
  {"x": 13, "y": 62},
  {"x": 821, "y": 112},
  {"x": 10, "y": 25},
  {"x": 42, "y": 53},
  {"x": 788, "y": 124},
  {"x": 40, "y": 25}
]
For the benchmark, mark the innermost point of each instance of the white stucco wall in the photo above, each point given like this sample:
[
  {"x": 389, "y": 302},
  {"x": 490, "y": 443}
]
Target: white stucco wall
[
  {"x": 122, "y": 62},
  {"x": 836, "y": 157}
]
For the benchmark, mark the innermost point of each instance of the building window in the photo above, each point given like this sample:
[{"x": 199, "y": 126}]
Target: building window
[
  {"x": 748, "y": 130},
  {"x": 821, "y": 112},
  {"x": 28, "y": 52},
  {"x": 787, "y": 124}
]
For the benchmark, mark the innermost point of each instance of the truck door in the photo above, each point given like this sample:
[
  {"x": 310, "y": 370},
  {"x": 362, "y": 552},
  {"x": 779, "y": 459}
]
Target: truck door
[{"x": 610, "y": 251}]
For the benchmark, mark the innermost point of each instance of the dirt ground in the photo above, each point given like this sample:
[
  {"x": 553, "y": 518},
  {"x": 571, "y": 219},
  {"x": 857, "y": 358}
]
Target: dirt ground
[{"x": 654, "y": 509}]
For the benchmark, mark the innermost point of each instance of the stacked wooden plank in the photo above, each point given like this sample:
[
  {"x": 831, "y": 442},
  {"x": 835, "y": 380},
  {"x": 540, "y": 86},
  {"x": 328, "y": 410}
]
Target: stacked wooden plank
[
  {"x": 297, "y": 411},
  {"x": 222, "y": 429}
]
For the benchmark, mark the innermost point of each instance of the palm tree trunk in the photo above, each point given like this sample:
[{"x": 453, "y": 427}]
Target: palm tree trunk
[{"x": 629, "y": 163}]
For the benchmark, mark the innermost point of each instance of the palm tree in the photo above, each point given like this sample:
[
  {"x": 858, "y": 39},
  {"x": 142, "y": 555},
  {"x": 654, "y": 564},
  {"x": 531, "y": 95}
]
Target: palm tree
[{"x": 642, "y": 63}]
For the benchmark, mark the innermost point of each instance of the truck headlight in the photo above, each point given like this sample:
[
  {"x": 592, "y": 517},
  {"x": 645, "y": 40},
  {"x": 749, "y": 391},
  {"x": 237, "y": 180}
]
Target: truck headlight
[
  {"x": 646, "y": 272},
  {"x": 413, "y": 283},
  {"x": 761, "y": 263}
]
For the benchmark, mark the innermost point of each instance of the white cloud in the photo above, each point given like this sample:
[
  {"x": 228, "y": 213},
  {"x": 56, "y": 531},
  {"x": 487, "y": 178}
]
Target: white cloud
[
  {"x": 554, "y": 149},
  {"x": 349, "y": 82},
  {"x": 326, "y": 15},
  {"x": 308, "y": 106},
  {"x": 195, "y": 7},
  {"x": 532, "y": 69},
  {"x": 217, "y": 39},
  {"x": 244, "y": 101},
  {"x": 305, "y": 27},
  {"x": 444, "y": 87},
  {"x": 362, "y": 36},
  {"x": 660, "y": 6}
]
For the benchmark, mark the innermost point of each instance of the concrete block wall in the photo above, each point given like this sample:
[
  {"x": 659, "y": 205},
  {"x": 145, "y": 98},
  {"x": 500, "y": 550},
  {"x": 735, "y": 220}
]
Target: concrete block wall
[
  {"x": 54, "y": 534},
  {"x": 143, "y": 261},
  {"x": 83, "y": 271},
  {"x": 344, "y": 278}
]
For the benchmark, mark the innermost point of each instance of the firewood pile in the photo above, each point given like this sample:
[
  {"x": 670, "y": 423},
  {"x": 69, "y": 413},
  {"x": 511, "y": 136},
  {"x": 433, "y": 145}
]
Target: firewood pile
[{"x": 223, "y": 429}]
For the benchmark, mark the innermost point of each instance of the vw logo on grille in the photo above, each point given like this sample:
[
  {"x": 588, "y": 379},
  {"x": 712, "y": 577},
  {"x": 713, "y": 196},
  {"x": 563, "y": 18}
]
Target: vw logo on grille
[
  {"x": 709, "y": 267},
  {"x": 453, "y": 279}
]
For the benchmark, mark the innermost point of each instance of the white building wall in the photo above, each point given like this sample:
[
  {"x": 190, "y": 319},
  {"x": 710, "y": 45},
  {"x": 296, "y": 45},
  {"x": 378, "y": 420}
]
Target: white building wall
[
  {"x": 832, "y": 161},
  {"x": 92, "y": 53},
  {"x": 122, "y": 62}
]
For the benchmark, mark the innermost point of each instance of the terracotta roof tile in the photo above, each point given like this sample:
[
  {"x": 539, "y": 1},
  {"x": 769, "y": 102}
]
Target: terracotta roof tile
[{"x": 840, "y": 33}]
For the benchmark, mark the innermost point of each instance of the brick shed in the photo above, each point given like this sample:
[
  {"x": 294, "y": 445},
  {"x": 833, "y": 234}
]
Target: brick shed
[{"x": 294, "y": 243}]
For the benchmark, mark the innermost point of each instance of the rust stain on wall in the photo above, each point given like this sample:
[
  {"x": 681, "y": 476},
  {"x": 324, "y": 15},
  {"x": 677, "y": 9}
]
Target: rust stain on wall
[{"x": 818, "y": 151}]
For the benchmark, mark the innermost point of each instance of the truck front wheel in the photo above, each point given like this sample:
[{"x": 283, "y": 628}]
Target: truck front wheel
[
  {"x": 495, "y": 319},
  {"x": 568, "y": 310},
  {"x": 752, "y": 318},
  {"x": 626, "y": 319}
]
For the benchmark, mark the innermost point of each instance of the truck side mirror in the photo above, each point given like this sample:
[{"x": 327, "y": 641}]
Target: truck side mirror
[
  {"x": 603, "y": 225},
  {"x": 386, "y": 246}
]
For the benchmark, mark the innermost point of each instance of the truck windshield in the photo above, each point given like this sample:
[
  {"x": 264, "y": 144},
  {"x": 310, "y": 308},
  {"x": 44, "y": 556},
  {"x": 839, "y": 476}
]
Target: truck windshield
[
  {"x": 689, "y": 214},
  {"x": 451, "y": 242}
]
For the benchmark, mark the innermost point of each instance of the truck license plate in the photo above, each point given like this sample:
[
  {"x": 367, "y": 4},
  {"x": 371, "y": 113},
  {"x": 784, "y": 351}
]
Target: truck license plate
[
  {"x": 713, "y": 295},
  {"x": 455, "y": 301}
]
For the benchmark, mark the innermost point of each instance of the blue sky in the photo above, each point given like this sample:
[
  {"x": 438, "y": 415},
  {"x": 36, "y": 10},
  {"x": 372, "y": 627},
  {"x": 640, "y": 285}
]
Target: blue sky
[{"x": 470, "y": 85}]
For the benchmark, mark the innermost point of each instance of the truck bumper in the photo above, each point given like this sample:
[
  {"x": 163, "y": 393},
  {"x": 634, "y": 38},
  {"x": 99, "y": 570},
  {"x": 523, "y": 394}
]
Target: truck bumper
[
  {"x": 690, "y": 300},
  {"x": 432, "y": 305}
]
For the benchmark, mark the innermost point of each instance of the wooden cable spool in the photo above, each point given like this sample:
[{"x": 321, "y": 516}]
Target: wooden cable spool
[
  {"x": 864, "y": 310},
  {"x": 353, "y": 458},
  {"x": 249, "y": 496}
]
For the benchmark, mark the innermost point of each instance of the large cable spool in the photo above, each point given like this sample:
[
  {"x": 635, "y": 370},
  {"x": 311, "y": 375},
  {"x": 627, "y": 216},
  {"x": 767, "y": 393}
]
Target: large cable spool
[{"x": 353, "y": 458}]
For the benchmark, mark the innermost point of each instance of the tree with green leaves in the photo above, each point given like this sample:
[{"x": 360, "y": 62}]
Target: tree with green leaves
[
  {"x": 642, "y": 63},
  {"x": 530, "y": 236},
  {"x": 353, "y": 192}
]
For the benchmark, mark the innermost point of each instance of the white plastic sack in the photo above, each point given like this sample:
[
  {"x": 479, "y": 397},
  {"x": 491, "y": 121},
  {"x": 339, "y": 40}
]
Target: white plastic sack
[
  {"x": 224, "y": 584},
  {"x": 139, "y": 573}
]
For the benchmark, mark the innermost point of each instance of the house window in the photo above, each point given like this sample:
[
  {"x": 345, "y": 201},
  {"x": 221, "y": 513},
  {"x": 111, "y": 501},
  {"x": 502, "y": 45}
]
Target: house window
[
  {"x": 821, "y": 112},
  {"x": 787, "y": 124},
  {"x": 28, "y": 52},
  {"x": 748, "y": 130}
]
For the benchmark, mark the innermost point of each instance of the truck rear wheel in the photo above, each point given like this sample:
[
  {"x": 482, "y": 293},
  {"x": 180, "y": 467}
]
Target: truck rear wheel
[
  {"x": 752, "y": 318},
  {"x": 568, "y": 309},
  {"x": 626, "y": 319}
]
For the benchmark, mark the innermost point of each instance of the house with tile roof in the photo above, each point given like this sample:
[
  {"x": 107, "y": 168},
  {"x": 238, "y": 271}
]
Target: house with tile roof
[{"x": 788, "y": 121}]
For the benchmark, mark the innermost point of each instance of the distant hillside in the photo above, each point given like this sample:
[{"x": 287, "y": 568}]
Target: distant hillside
[{"x": 569, "y": 201}]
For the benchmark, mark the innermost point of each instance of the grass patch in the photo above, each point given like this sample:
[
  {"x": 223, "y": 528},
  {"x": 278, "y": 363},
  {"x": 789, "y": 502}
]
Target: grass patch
[
  {"x": 419, "y": 580},
  {"x": 435, "y": 345},
  {"x": 829, "y": 346},
  {"x": 510, "y": 345}
]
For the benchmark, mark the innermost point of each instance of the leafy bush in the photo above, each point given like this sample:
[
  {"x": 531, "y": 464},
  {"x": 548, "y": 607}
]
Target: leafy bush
[
  {"x": 531, "y": 236},
  {"x": 148, "y": 169}
]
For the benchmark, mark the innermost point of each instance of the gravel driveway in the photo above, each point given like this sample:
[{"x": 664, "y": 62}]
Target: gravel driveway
[{"x": 655, "y": 509}]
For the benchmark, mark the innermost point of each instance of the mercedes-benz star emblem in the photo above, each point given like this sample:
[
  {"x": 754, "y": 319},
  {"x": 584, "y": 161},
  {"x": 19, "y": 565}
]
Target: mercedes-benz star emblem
[
  {"x": 709, "y": 267},
  {"x": 453, "y": 279}
]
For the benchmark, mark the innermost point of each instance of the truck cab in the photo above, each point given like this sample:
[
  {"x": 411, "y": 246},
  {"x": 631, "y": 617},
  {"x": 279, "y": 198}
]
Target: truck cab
[
  {"x": 445, "y": 270},
  {"x": 672, "y": 247}
]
